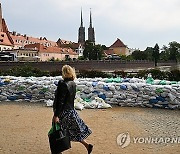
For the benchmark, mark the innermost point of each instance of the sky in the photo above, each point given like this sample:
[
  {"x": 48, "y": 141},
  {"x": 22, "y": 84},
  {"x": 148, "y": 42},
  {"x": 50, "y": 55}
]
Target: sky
[{"x": 138, "y": 23}]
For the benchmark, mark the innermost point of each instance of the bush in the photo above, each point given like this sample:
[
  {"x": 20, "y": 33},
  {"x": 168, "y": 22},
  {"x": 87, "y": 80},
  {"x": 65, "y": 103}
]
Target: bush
[
  {"x": 120, "y": 73},
  {"x": 157, "y": 74},
  {"x": 174, "y": 75},
  {"x": 25, "y": 71},
  {"x": 56, "y": 73},
  {"x": 141, "y": 74}
]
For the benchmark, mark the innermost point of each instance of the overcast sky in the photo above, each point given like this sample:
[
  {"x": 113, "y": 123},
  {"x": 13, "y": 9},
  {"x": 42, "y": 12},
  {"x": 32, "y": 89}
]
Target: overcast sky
[{"x": 138, "y": 23}]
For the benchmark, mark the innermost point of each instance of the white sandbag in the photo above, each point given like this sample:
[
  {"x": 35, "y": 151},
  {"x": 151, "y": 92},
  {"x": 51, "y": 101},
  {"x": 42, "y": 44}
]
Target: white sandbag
[
  {"x": 78, "y": 106},
  {"x": 109, "y": 94},
  {"x": 158, "y": 105},
  {"x": 49, "y": 103},
  {"x": 102, "y": 104},
  {"x": 100, "y": 85},
  {"x": 92, "y": 105},
  {"x": 173, "y": 106},
  {"x": 112, "y": 88},
  {"x": 80, "y": 87},
  {"x": 172, "y": 97}
]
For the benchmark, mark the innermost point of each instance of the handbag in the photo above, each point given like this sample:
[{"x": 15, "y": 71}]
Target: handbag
[{"x": 59, "y": 139}]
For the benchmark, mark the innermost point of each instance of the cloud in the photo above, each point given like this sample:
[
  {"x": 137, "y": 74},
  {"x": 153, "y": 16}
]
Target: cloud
[{"x": 139, "y": 23}]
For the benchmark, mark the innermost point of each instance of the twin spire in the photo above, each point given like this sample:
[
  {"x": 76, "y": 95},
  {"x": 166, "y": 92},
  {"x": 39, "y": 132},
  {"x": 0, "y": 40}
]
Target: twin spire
[
  {"x": 81, "y": 37},
  {"x": 81, "y": 19},
  {"x": 90, "y": 20}
]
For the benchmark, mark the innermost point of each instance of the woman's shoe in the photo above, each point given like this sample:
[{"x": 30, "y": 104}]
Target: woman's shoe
[{"x": 90, "y": 148}]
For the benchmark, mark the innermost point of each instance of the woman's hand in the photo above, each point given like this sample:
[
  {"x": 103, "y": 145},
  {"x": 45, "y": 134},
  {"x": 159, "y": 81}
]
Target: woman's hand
[{"x": 55, "y": 119}]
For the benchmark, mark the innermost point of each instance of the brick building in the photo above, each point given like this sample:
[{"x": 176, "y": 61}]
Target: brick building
[
  {"x": 117, "y": 48},
  {"x": 28, "y": 48}
]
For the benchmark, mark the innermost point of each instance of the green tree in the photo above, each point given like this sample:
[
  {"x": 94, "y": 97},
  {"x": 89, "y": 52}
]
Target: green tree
[
  {"x": 174, "y": 49},
  {"x": 149, "y": 53},
  {"x": 164, "y": 55},
  {"x": 98, "y": 52},
  {"x": 104, "y": 47},
  {"x": 156, "y": 54},
  {"x": 92, "y": 52},
  {"x": 139, "y": 55},
  {"x": 88, "y": 49},
  {"x": 171, "y": 52}
]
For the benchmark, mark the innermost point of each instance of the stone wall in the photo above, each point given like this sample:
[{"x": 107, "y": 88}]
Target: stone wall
[{"x": 80, "y": 65}]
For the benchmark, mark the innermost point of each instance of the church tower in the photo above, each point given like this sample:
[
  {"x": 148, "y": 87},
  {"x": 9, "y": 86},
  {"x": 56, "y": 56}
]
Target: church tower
[
  {"x": 91, "y": 35},
  {"x": 81, "y": 36}
]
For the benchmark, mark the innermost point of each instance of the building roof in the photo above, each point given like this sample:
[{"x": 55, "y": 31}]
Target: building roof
[
  {"x": 4, "y": 39},
  {"x": 23, "y": 40},
  {"x": 41, "y": 48},
  {"x": 60, "y": 41},
  {"x": 117, "y": 43},
  {"x": 68, "y": 44}
]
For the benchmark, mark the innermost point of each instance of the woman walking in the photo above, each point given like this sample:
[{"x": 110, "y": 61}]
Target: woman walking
[{"x": 64, "y": 111}]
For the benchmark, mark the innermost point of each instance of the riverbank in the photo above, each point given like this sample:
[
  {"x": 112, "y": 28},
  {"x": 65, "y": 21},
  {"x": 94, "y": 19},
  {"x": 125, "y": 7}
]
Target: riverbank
[{"x": 24, "y": 128}]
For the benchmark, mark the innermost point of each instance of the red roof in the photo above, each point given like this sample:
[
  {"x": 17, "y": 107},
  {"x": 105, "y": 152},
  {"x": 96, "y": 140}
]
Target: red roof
[
  {"x": 42, "y": 48},
  {"x": 4, "y": 40},
  {"x": 24, "y": 40},
  {"x": 117, "y": 43}
]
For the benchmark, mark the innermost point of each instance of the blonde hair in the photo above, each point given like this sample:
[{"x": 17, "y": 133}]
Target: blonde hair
[{"x": 68, "y": 72}]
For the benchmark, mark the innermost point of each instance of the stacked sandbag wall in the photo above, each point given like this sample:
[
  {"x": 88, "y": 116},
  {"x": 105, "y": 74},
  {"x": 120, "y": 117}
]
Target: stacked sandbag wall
[{"x": 115, "y": 91}]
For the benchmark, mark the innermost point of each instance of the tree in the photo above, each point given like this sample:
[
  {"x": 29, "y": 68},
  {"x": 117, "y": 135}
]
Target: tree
[
  {"x": 139, "y": 55},
  {"x": 92, "y": 52},
  {"x": 174, "y": 49},
  {"x": 164, "y": 55},
  {"x": 104, "y": 47},
  {"x": 149, "y": 53},
  {"x": 156, "y": 54},
  {"x": 98, "y": 51},
  {"x": 171, "y": 52},
  {"x": 87, "y": 50}
]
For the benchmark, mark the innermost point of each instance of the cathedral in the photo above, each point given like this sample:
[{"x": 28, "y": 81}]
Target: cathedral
[{"x": 81, "y": 33}]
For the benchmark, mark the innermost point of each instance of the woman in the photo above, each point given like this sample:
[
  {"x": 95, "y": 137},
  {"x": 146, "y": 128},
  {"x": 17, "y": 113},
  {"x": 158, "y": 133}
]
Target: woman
[{"x": 64, "y": 111}]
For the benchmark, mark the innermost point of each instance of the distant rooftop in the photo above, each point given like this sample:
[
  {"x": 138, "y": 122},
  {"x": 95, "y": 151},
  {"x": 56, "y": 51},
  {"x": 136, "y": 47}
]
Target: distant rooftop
[{"x": 117, "y": 43}]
